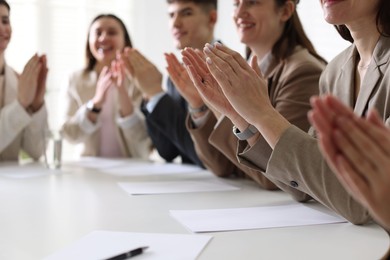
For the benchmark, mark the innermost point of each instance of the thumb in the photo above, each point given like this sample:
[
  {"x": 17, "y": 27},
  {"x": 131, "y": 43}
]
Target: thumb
[{"x": 255, "y": 66}]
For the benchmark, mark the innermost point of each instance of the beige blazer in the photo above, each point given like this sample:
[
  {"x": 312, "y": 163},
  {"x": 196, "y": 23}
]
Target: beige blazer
[
  {"x": 291, "y": 83},
  {"x": 18, "y": 129},
  {"x": 296, "y": 162},
  {"x": 77, "y": 128}
]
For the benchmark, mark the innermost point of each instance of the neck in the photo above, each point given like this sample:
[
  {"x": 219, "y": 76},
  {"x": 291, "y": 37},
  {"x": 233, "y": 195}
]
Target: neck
[
  {"x": 100, "y": 65},
  {"x": 263, "y": 47},
  {"x": 365, "y": 36},
  {"x": 260, "y": 51},
  {"x": 201, "y": 46}
]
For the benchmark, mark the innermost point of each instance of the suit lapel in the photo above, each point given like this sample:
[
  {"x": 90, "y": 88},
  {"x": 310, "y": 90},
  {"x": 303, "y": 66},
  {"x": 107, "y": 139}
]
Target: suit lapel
[
  {"x": 346, "y": 79},
  {"x": 373, "y": 76}
]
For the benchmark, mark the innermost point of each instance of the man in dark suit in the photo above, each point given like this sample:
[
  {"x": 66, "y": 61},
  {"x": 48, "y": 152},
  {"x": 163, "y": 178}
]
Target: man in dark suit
[{"x": 192, "y": 25}]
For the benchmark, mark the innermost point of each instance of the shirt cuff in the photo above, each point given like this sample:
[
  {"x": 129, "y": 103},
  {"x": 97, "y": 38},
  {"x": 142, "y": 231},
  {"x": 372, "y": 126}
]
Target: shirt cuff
[
  {"x": 85, "y": 124},
  {"x": 153, "y": 101},
  {"x": 200, "y": 121}
]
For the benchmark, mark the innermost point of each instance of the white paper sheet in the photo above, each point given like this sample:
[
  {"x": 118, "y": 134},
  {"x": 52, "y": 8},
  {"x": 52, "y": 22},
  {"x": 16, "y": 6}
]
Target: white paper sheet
[
  {"x": 104, "y": 244},
  {"x": 253, "y": 218},
  {"x": 25, "y": 171},
  {"x": 147, "y": 168},
  {"x": 97, "y": 163},
  {"x": 162, "y": 187}
]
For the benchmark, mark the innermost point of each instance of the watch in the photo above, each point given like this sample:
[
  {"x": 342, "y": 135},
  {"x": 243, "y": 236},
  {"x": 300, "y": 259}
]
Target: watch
[
  {"x": 250, "y": 131},
  {"x": 91, "y": 107}
]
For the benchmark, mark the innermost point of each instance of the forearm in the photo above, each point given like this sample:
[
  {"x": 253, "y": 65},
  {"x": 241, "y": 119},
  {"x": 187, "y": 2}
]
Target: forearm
[{"x": 13, "y": 119}]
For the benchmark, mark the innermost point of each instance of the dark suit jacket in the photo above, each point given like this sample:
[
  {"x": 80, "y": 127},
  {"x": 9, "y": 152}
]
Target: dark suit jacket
[
  {"x": 166, "y": 127},
  {"x": 296, "y": 161}
]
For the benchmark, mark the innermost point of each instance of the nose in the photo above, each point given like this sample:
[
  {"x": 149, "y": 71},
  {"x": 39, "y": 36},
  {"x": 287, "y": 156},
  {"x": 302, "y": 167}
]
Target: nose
[
  {"x": 102, "y": 36},
  {"x": 176, "y": 21},
  {"x": 239, "y": 11}
]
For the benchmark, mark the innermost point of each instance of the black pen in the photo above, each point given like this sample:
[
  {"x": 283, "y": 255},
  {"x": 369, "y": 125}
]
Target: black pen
[{"x": 129, "y": 254}]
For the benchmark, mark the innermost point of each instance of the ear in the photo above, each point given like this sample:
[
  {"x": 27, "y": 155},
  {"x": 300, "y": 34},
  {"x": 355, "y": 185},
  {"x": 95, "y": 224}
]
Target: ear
[
  {"x": 213, "y": 17},
  {"x": 287, "y": 11}
]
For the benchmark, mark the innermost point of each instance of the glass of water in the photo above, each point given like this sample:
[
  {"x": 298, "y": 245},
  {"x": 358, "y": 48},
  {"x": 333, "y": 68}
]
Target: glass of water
[{"x": 53, "y": 149}]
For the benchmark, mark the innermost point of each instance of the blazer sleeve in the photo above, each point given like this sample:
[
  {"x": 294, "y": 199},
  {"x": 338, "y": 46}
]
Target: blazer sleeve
[
  {"x": 217, "y": 150},
  {"x": 13, "y": 119},
  {"x": 133, "y": 132},
  {"x": 33, "y": 141},
  {"x": 289, "y": 94},
  {"x": 304, "y": 169},
  {"x": 167, "y": 128},
  {"x": 76, "y": 127}
]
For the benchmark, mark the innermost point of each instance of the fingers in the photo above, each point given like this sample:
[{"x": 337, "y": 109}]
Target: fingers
[
  {"x": 197, "y": 60},
  {"x": 358, "y": 186},
  {"x": 174, "y": 68},
  {"x": 353, "y": 150},
  {"x": 222, "y": 67},
  {"x": 255, "y": 66},
  {"x": 337, "y": 106},
  {"x": 126, "y": 60},
  {"x": 138, "y": 61},
  {"x": 374, "y": 118},
  {"x": 223, "y": 52},
  {"x": 321, "y": 116}
]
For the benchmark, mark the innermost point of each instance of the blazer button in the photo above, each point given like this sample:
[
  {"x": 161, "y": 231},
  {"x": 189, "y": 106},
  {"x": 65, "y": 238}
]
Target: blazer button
[{"x": 294, "y": 184}]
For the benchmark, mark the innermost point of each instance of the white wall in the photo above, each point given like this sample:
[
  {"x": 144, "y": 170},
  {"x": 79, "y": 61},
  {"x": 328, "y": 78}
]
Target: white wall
[{"x": 149, "y": 29}]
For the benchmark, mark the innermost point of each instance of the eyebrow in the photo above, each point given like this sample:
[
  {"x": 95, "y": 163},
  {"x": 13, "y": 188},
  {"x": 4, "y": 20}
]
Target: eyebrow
[{"x": 182, "y": 10}]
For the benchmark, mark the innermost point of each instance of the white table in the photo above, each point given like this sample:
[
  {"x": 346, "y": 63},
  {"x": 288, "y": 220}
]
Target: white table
[{"x": 41, "y": 215}]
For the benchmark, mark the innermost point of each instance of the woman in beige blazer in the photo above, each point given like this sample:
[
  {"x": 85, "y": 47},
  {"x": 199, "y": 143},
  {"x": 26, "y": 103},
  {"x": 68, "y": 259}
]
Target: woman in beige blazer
[
  {"x": 358, "y": 151},
  {"x": 23, "y": 115},
  {"x": 288, "y": 61},
  {"x": 359, "y": 76},
  {"x": 101, "y": 107}
]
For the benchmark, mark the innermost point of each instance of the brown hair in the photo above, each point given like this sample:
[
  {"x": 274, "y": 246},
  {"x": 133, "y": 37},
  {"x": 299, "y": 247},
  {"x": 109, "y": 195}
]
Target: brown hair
[
  {"x": 292, "y": 35},
  {"x": 382, "y": 22},
  {"x": 3, "y": 2},
  {"x": 90, "y": 59}
]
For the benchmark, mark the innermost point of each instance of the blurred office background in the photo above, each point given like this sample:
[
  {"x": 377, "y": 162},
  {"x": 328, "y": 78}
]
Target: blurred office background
[{"x": 59, "y": 29}]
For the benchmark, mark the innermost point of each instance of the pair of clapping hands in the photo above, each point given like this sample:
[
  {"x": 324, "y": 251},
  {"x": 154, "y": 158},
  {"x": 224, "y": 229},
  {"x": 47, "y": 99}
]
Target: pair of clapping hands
[{"x": 32, "y": 83}]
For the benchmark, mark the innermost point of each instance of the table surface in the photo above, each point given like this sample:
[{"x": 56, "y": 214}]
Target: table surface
[{"x": 43, "y": 214}]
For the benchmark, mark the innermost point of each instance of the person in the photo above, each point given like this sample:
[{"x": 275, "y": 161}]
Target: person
[
  {"x": 273, "y": 32},
  {"x": 192, "y": 24},
  {"x": 358, "y": 151},
  {"x": 23, "y": 114},
  {"x": 101, "y": 101},
  {"x": 359, "y": 76}
]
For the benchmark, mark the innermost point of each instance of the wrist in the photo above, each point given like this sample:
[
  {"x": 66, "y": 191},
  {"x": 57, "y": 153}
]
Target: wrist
[
  {"x": 150, "y": 94},
  {"x": 93, "y": 107}
]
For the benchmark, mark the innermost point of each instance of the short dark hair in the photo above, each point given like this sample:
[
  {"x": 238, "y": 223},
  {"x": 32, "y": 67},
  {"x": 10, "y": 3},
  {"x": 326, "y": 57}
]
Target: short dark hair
[
  {"x": 90, "y": 59},
  {"x": 3, "y": 2},
  {"x": 207, "y": 5},
  {"x": 382, "y": 22}
]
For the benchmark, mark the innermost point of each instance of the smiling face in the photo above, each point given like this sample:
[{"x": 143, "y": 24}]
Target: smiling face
[
  {"x": 258, "y": 22},
  {"x": 106, "y": 36},
  {"x": 190, "y": 25},
  {"x": 349, "y": 12},
  {"x": 5, "y": 28}
]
